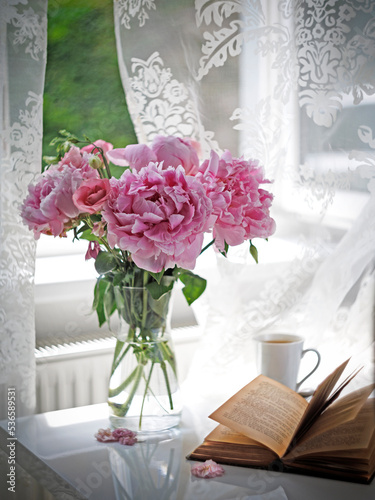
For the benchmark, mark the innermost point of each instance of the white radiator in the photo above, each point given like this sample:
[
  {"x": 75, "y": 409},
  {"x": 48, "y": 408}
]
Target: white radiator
[{"x": 76, "y": 374}]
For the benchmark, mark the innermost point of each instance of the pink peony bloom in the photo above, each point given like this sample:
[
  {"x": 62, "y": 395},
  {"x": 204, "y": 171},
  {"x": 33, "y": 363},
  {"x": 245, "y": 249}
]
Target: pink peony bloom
[
  {"x": 91, "y": 195},
  {"x": 172, "y": 151},
  {"x": 159, "y": 216},
  {"x": 123, "y": 436},
  {"x": 105, "y": 146},
  {"x": 49, "y": 206},
  {"x": 136, "y": 156},
  {"x": 93, "y": 250},
  {"x": 207, "y": 470},
  {"x": 72, "y": 158},
  {"x": 241, "y": 206}
]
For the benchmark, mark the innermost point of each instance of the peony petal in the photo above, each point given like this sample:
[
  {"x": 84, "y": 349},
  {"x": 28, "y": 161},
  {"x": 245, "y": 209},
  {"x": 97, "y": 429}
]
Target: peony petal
[
  {"x": 207, "y": 470},
  {"x": 117, "y": 157}
]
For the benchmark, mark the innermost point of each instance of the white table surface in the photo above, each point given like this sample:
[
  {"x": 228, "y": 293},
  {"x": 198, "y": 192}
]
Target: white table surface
[{"x": 59, "y": 450}]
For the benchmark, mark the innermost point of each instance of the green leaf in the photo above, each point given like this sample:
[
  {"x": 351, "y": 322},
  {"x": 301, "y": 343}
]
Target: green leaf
[
  {"x": 109, "y": 303},
  {"x": 104, "y": 300},
  {"x": 157, "y": 276},
  {"x": 105, "y": 262},
  {"x": 254, "y": 252},
  {"x": 100, "y": 289},
  {"x": 157, "y": 290},
  {"x": 194, "y": 285},
  {"x": 51, "y": 160},
  {"x": 85, "y": 234},
  {"x": 118, "y": 279},
  {"x": 226, "y": 248}
]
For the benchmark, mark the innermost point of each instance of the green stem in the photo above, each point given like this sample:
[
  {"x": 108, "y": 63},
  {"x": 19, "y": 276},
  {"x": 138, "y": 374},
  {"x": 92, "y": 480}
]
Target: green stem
[
  {"x": 114, "y": 392},
  {"x": 117, "y": 361},
  {"x": 168, "y": 356},
  {"x": 107, "y": 169},
  {"x": 118, "y": 348},
  {"x": 207, "y": 246},
  {"x": 145, "y": 292},
  {"x": 104, "y": 242},
  {"x": 164, "y": 368},
  {"x": 145, "y": 394},
  {"x": 122, "y": 410}
]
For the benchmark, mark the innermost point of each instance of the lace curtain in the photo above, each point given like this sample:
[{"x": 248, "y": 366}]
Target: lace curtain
[
  {"x": 291, "y": 83},
  {"x": 23, "y": 39}
]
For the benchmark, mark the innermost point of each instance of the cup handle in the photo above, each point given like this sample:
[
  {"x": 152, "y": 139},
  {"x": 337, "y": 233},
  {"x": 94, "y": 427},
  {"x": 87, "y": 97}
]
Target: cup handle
[{"x": 313, "y": 370}]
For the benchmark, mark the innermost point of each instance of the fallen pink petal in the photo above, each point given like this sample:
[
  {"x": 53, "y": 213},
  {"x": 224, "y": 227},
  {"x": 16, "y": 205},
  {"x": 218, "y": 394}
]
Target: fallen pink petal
[
  {"x": 127, "y": 440},
  {"x": 207, "y": 470},
  {"x": 105, "y": 436},
  {"x": 121, "y": 435}
]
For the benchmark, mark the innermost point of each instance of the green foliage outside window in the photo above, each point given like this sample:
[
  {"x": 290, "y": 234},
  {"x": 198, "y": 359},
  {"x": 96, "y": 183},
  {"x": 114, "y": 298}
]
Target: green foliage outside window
[{"x": 83, "y": 91}]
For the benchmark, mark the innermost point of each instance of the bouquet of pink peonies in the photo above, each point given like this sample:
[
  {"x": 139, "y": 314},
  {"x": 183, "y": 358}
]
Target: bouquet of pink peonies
[
  {"x": 146, "y": 227},
  {"x": 153, "y": 218}
]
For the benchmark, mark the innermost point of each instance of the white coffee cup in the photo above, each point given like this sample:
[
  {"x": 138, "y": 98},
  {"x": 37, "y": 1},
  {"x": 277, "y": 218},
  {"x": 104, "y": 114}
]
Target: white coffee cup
[{"x": 279, "y": 356}]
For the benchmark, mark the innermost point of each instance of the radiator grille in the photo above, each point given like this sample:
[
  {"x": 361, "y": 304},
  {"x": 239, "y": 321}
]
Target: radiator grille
[{"x": 76, "y": 374}]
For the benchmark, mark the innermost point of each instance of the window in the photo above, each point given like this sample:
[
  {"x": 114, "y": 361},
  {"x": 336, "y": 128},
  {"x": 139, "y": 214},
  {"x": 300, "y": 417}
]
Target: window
[{"x": 83, "y": 94}]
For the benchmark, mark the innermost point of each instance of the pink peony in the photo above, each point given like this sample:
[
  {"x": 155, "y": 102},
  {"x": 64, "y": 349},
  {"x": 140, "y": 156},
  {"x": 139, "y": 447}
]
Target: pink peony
[
  {"x": 105, "y": 146},
  {"x": 159, "y": 216},
  {"x": 91, "y": 195},
  {"x": 49, "y": 206},
  {"x": 241, "y": 206},
  {"x": 136, "y": 156},
  {"x": 207, "y": 470},
  {"x": 72, "y": 158},
  {"x": 172, "y": 151}
]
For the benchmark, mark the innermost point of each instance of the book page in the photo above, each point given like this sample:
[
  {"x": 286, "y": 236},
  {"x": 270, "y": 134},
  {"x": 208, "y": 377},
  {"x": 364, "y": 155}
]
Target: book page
[
  {"x": 223, "y": 434},
  {"x": 264, "y": 410},
  {"x": 321, "y": 399},
  {"x": 343, "y": 410},
  {"x": 350, "y": 437}
]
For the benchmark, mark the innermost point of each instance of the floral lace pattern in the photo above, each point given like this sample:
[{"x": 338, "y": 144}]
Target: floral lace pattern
[
  {"x": 162, "y": 103},
  {"x": 20, "y": 161},
  {"x": 127, "y": 10},
  {"x": 303, "y": 79}
]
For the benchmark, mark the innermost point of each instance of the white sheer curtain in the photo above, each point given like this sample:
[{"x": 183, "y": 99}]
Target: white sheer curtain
[
  {"x": 23, "y": 39},
  {"x": 291, "y": 83}
]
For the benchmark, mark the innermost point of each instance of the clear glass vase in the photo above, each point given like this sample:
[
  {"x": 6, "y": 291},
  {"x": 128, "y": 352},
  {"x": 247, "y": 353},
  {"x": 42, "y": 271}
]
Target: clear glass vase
[{"x": 144, "y": 394}]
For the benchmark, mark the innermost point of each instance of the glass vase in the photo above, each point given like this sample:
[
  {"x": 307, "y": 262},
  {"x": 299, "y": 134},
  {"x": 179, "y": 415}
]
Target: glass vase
[{"x": 144, "y": 394}]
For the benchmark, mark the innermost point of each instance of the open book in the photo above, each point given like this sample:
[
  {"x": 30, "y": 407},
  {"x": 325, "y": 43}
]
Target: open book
[{"x": 268, "y": 425}]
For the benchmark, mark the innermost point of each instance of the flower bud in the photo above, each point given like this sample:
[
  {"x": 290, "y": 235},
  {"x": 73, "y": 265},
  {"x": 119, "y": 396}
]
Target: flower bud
[
  {"x": 96, "y": 162},
  {"x": 98, "y": 229}
]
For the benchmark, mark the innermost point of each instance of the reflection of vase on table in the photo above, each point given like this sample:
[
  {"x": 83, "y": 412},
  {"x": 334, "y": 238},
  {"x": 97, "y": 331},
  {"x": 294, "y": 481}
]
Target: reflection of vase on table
[
  {"x": 148, "y": 470},
  {"x": 143, "y": 390}
]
